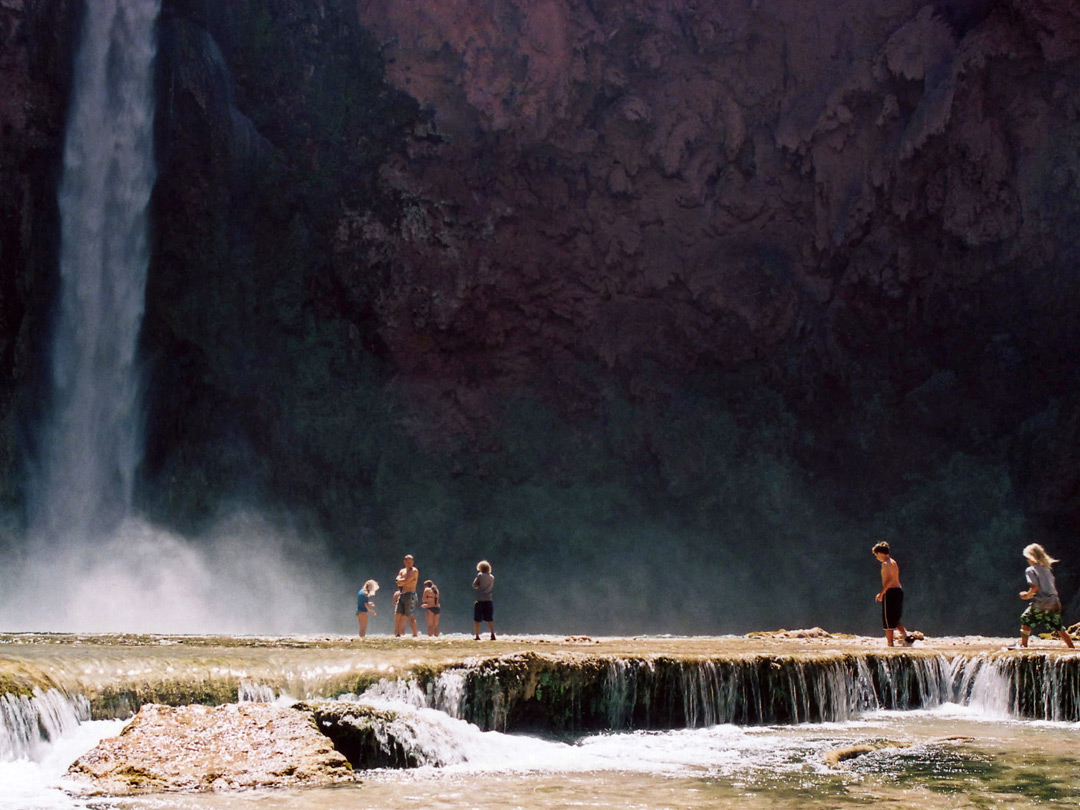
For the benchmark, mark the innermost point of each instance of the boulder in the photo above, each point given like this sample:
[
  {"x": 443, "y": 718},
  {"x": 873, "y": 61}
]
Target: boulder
[{"x": 201, "y": 748}]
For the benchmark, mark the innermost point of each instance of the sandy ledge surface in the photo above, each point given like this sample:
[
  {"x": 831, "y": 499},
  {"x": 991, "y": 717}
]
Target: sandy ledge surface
[{"x": 386, "y": 652}]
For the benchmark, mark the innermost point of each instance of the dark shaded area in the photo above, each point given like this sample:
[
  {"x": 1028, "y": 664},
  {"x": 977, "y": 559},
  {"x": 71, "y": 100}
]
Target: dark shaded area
[
  {"x": 366, "y": 737},
  {"x": 274, "y": 118},
  {"x": 35, "y": 68},
  {"x": 670, "y": 316}
]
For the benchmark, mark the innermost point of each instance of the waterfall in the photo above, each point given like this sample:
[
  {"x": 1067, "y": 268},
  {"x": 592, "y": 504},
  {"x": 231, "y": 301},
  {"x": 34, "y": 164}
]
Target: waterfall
[
  {"x": 29, "y": 722},
  {"x": 549, "y": 694},
  {"x": 92, "y": 443},
  {"x": 1036, "y": 685}
]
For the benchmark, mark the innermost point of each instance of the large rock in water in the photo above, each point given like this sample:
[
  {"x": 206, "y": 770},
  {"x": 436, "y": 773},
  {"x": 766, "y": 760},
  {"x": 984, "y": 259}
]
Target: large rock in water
[{"x": 199, "y": 748}]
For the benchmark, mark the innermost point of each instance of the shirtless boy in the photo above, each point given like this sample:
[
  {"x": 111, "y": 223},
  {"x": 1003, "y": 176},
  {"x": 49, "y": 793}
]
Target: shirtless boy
[
  {"x": 406, "y": 607},
  {"x": 891, "y": 596}
]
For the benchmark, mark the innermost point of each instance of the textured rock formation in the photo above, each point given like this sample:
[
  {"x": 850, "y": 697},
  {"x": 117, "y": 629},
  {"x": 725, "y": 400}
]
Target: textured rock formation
[
  {"x": 196, "y": 748},
  {"x": 559, "y": 278},
  {"x": 371, "y": 738},
  {"x": 854, "y": 188}
]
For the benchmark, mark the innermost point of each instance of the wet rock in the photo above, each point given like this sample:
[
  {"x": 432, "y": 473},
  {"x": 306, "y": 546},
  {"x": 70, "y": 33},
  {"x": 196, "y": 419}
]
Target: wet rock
[
  {"x": 367, "y": 737},
  {"x": 813, "y": 632},
  {"x": 196, "y": 748},
  {"x": 834, "y": 757}
]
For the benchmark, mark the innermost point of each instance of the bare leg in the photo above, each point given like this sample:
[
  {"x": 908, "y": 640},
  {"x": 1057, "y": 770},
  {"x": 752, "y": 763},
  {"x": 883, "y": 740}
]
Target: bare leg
[
  {"x": 1025, "y": 631},
  {"x": 362, "y": 619},
  {"x": 476, "y": 630},
  {"x": 399, "y": 624},
  {"x": 435, "y": 623},
  {"x": 1064, "y": 635},
  {"x": 491, "y": 627},
  {"x": 889, "y": 636},
  {"x": 903, "y": 633},
  {"x": 412, "y": 624}
]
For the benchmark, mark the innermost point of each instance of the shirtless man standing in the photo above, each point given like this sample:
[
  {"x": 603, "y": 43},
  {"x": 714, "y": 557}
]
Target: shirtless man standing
[
  {"x": 406, "y": 607},
  {"x": 891, "y": 596}
]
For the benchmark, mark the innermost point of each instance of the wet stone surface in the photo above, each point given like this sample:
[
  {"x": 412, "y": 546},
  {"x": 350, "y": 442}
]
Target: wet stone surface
[{"x": 198, "y": 748}]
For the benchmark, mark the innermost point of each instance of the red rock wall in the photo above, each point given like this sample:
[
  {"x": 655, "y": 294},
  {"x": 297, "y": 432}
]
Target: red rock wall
[{"x": 715, "y": 183}]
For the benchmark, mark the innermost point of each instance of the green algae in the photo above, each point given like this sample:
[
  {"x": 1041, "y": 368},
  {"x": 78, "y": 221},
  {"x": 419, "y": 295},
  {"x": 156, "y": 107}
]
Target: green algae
[
  {"x": 9, "y": 685},
  {"x": 953, "y": 770}
]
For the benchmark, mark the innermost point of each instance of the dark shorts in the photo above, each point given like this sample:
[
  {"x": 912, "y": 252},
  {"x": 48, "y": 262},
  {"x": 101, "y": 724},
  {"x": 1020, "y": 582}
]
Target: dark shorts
[
  {"x": 1033, "y": 617},
  {"x": 435, "y": 610},
  {"x": 406, "y": 605},
  {"x": 483, "y": 611},
  {"x": 892, "y": 608}
]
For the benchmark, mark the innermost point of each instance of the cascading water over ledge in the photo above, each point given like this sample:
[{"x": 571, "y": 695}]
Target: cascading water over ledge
[
  {"x": 553, "y": 693},
  {"x": 29, "y": 721}
]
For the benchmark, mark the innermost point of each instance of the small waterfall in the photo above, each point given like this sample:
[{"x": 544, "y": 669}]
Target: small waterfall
[
  {"x": 251, "y": 692},
  {"x": 30, "y": 722},
  {"x": 400, "y": 690},
  {"x": 621, "y": 688},
  {"x": 983, "y": 684},
  {"x": 380, "y": 732},
  {"x": 445, "y": 692},
  {"x": 1032, "y": 685},
  {"x": 550, "y": 694},
  {"x": 92, "y": 441}
]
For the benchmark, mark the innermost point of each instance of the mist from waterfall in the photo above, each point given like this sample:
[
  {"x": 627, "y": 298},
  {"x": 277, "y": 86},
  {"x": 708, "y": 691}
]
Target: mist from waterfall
[
  {"x": 92, "y": 442},
  {"x": 90, "y": 563}
]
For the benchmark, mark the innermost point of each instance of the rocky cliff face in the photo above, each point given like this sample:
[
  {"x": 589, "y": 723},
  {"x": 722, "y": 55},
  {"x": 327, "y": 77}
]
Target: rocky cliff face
[
  {"x": 859, "y": 201},
  {"x": 555, "y": 278},
  {"x": 34, "y": 70}
]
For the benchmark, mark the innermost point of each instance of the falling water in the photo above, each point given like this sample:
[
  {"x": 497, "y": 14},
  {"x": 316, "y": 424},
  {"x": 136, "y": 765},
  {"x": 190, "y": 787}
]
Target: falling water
[
  {"x": 947, "y": 751},
  {"x": 29, "y": 722},
  {"x": 92, "y": 442}
]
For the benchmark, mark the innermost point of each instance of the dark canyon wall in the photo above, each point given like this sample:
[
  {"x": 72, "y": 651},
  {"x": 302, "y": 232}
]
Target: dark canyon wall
[{"x": 601, "y": 290}]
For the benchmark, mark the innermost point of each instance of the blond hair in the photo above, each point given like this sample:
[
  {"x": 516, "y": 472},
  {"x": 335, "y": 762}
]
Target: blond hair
[
  {"x": 484, "y": 567},
  {"x": 370, "y": 587},
  {"x": 1037, "y": 554}
]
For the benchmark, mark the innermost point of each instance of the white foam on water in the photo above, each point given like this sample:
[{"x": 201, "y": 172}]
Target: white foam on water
[
  {"x": 454, "y": 745},
  {"x": 37, "y": 784}
]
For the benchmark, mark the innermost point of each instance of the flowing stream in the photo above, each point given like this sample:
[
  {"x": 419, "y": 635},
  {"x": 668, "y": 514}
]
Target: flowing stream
[{"x": 965, "y": 746}]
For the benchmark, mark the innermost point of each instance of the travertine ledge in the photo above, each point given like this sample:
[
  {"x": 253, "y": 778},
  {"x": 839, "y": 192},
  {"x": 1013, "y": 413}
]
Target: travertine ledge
[{"x": 118, "y": 673}]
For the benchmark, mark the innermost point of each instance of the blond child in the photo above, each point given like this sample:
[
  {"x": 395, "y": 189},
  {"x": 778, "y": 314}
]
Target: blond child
[
  {"x": 365, "y": 606},
  {"x": 1045, "y": 607}
]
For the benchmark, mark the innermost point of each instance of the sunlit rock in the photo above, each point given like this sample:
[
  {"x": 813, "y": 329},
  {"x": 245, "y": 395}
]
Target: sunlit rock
[{"x": 196, "y": 748}]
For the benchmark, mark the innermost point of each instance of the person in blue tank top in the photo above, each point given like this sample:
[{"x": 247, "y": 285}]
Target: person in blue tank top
[{"x": 364, "y": 605}]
